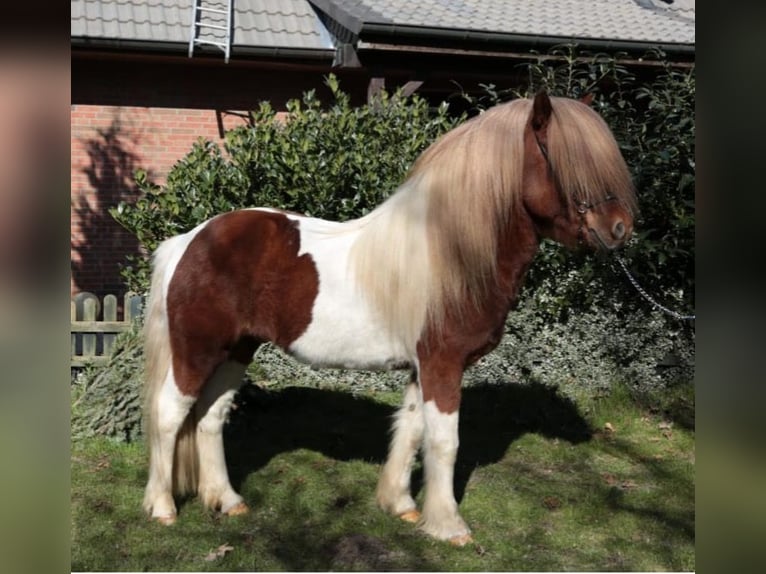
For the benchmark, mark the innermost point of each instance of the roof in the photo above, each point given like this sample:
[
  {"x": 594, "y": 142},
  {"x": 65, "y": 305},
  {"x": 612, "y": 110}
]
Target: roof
[
  {"x": 644, "y": 21},
  {"x": 290, "y": 24},
  {"x": 321, "y": 26}
]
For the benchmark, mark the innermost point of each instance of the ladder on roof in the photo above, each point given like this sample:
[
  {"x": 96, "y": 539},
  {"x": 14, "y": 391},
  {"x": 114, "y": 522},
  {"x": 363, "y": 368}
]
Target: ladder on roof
[{"x": 211, "y": 25}]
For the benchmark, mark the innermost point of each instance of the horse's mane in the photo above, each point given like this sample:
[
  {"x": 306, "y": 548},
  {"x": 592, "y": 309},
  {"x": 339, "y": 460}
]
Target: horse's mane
[{"x": 434, "y": 243}]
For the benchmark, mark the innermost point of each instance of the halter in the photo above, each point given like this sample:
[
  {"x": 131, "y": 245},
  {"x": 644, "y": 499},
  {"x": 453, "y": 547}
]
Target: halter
[{"x": 582, "y": 206}]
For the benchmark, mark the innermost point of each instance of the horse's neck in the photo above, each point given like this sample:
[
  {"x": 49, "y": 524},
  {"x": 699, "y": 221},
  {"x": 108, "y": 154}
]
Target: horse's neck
[{"x": 517, "y": 250}]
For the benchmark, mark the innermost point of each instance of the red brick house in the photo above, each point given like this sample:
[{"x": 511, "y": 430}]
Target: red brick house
[{"x": 142, "y": 93}]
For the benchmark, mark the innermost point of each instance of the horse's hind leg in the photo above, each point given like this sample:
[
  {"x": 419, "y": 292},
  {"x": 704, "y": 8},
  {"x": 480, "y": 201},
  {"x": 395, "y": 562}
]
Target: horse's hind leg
[
  {"x": 393, "y": 492},
  {"x": 213, "y": 406},
  {"x": 169, "y": 410}
]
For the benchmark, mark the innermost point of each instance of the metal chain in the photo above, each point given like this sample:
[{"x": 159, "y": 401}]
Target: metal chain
[{"x": 649, "y": 298}]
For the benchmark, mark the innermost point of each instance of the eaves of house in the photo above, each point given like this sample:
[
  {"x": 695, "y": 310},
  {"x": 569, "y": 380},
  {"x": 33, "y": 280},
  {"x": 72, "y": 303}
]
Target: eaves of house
[{"x": 337, "y": 32}]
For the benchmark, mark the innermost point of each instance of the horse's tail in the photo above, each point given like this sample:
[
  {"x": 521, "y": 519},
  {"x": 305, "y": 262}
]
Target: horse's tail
[{"x": 158, "y": 357}]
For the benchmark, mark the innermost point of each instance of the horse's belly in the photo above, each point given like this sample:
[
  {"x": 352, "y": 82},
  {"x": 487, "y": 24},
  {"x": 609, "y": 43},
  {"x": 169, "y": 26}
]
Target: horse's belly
[{"x": 348, "y": 339}]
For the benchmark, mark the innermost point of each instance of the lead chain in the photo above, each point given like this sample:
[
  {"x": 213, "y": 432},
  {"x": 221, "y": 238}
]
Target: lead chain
[{"x": 649, "y": 298}]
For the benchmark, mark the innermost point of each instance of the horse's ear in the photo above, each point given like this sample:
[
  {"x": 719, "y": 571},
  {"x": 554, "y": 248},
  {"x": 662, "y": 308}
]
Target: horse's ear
[
  {"x": 541, "y": 110},
  {"x": 587, "y": 99}
]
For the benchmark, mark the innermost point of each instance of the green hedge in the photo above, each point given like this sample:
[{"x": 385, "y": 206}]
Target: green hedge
[{"x": 339, "y": 162}]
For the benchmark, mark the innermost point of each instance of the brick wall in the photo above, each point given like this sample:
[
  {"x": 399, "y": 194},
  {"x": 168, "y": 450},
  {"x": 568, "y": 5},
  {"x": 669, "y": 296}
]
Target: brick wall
[{"x": 108, "y": 143}]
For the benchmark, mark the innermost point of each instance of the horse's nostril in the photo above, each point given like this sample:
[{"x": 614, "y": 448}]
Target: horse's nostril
[{"x": 618, "y": 231}]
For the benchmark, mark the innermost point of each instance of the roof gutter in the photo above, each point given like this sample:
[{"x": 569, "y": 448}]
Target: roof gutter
[
  {"x": 183, "y": 48},
  {"x": 459, "y": 37}
]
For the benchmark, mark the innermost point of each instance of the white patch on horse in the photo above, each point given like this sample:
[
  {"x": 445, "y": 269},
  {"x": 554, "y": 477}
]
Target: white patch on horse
[
  {"x": 393, "y": 492},
  {"x": 440, "y": 516},
  {"x": 344, "y": 331},
  {"x": 213, "y": 406}
]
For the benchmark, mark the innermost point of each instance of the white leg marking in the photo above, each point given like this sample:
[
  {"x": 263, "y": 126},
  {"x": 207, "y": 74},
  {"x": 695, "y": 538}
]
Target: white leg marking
[
  {"x": 440, "y": 516},
  {"x": 215, "y": 491},
  {"x": 170, "y": 411},
  {"x": 393, "y": 493}
]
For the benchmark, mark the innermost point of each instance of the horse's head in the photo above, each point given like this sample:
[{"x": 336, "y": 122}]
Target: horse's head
[{"x": 577, "y": 187}]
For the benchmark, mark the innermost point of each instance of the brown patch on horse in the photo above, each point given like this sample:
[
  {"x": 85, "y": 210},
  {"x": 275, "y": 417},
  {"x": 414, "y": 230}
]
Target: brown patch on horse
[
  {"x": 240, "y": 282},
  {"x": 474, "y": 330}
]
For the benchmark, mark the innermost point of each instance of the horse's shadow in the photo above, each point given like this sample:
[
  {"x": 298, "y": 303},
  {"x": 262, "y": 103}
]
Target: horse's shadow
[{"x": 346, "y": 427}]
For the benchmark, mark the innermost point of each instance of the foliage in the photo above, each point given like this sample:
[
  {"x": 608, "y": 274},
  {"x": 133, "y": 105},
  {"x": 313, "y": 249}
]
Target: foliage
[
  {"x": 594, "y": 351},
  {"x": 580, "y": 324},
  {"x": 107, "y": 401},
  {"x": 623, "y": 500},
  {"x": 334, "y": 162},
  {"x": 339, "y": 162}
]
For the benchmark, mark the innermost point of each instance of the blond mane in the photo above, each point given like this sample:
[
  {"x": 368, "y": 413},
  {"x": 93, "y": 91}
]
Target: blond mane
[{"x": 434, "y": 243}]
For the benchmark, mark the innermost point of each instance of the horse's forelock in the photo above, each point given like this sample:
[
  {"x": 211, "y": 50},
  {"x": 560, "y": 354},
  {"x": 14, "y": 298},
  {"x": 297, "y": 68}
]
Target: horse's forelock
[{"x": 586, "y": 157}]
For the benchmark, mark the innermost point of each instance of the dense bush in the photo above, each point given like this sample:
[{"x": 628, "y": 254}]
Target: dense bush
[{"x": 108, "y": 400}]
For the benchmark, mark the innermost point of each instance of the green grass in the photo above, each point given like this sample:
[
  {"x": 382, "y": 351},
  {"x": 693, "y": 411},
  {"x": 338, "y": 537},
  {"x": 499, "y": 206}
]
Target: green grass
[{"x": 545, "y": 485}]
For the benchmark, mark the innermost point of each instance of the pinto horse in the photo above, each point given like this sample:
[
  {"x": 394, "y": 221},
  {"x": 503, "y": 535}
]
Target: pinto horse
[{"x": 424, "y": 282}]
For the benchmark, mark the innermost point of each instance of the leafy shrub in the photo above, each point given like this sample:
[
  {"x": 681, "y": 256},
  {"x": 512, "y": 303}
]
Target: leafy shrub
[{"x": 579, "y": 326}]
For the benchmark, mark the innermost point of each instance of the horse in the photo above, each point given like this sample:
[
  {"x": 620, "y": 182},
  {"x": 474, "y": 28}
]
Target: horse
[{"x": 423, "y": 282}]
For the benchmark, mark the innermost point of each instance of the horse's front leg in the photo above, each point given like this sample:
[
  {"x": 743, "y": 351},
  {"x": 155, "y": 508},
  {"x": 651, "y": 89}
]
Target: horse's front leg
[
  {"x": 440, "y": 384},
  {"x": 393, "y": 493}
]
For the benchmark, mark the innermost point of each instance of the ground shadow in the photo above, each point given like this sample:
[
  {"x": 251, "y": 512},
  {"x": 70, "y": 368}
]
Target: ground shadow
[{"x": 347, "y": 427}]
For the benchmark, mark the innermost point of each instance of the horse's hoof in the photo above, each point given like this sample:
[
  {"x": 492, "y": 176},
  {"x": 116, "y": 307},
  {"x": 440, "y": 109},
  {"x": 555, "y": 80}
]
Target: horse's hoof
[
  {"x": 165, "y": 520},
  {"x": 461, "y": 540},
  {"x": 238, "y": 509},
  {"x": 410, "y": 516}
]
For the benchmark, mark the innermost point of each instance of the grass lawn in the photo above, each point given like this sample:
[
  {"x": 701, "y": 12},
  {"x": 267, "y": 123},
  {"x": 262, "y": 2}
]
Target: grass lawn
[{"x": 545, "y": 485}]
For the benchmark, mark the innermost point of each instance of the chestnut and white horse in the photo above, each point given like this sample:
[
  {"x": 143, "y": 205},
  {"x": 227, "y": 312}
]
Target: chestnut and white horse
[{"x": 424, "y": 282}]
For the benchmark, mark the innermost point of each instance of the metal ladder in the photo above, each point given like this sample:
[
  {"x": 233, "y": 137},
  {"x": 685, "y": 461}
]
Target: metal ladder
[{"x": 216, "y": 21}]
